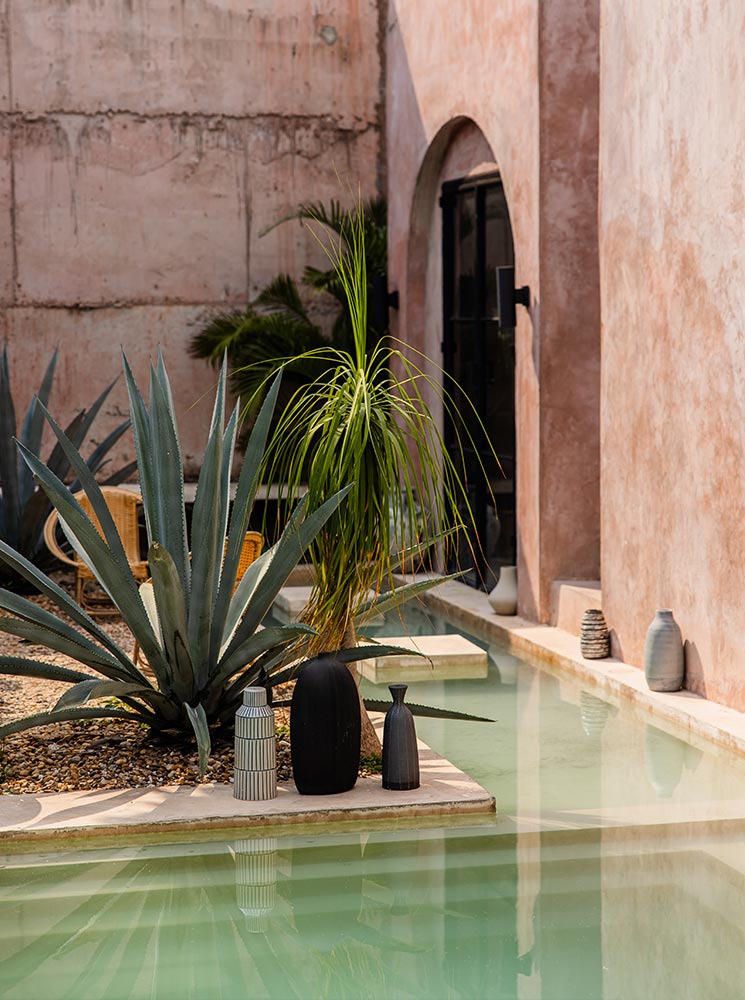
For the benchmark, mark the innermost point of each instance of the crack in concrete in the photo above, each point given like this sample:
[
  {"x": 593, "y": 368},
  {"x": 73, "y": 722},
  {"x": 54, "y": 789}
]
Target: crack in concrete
[
  {"x": 11, "y": 154},
  {"x": 80, "y": 306},
  {"x": 200, "y": 118}
]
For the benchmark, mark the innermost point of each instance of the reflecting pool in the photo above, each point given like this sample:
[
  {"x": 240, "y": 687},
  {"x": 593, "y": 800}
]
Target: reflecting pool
[{"x": 613, "y": 871}]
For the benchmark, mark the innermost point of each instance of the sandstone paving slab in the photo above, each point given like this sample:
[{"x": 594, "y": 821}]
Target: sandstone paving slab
[
  {"x": 444, "y": 792},
  {"x": 432, "y": 657}
]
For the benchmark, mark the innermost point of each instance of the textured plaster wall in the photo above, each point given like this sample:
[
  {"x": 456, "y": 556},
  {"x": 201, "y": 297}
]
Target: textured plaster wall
[
  {"x": 525, "y": 75},
  {"x": 144, "y": 146},
  {"x": 672, "y": 218}
]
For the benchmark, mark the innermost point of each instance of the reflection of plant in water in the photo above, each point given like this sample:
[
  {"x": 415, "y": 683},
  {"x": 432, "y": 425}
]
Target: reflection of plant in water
[
  {"x": 135, "y": 931},
  {"x": 332, "y": 928},
  {"x": 408, "y": 916}
]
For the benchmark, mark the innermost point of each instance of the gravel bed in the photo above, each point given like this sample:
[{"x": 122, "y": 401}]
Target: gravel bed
[{"x": 99, "y": 753}]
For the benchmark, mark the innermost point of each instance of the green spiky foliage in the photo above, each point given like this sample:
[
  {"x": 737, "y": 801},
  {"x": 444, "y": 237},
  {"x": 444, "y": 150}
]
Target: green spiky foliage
[
  {"x": 367, "y": 423},
  {"x": 276, "y": 331},
  {"x": 208, "y": 645},
  {"x": 24, "y": 508}
]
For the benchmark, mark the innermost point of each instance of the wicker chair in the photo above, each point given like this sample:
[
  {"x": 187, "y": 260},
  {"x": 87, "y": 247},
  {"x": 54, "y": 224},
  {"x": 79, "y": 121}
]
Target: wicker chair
[
  {"x": 123, "y": 507},
  {"x": 250, "y": 551}
]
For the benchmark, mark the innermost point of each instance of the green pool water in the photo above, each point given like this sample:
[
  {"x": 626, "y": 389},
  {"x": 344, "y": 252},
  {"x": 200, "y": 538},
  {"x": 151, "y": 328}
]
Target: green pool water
[{"x": 613, "y": 870}]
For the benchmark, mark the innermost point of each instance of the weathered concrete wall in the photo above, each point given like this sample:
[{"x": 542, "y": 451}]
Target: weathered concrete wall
[
  {"x": 672, "y": 218},
  {"x": 144, "y": 147},
  {"x": 525, "y": 75}
]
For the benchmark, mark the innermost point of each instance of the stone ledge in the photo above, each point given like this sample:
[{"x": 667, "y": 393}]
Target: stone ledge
[
  {"x": 444, "y": 792},
  {"x": 443, "y": 657},
  {"x": 557, "y": 650}
]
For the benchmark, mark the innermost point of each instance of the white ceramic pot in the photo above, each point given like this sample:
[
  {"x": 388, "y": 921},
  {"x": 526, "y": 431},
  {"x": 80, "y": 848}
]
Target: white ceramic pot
[{"x": 503, "y": 599}]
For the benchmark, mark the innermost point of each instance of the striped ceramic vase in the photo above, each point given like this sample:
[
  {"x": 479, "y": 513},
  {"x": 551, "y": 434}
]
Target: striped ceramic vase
[{"x": 255, "y": 774}]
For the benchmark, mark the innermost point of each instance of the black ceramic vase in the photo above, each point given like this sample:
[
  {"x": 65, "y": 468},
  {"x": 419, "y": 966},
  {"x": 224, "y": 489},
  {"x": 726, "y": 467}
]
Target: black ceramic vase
[
  {"x": 325, "y": 729},
  {"x": 400, "y": 753}
]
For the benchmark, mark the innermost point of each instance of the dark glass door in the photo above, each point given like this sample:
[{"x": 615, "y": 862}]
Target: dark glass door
[{"x": 480, "y": 357}]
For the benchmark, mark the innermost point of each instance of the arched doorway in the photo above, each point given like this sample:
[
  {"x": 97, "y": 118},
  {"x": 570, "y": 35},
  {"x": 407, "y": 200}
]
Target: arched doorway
[{"x": 479, "y": 356}]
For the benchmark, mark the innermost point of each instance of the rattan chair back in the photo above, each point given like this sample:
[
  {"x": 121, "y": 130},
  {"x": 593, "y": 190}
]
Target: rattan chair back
[{"x": 123, "y": 505}]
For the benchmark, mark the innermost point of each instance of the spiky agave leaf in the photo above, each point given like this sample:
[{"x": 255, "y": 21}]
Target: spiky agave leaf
[
  {"x": 23, "y": 507},
  {"x": 424, "y": 711},
  {"x": 207, "y": 635}
]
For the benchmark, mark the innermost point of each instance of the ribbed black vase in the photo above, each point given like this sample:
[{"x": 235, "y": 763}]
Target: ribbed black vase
[
  {"x": 400, "y": 753},
  {"x": 325, "y": 729}
]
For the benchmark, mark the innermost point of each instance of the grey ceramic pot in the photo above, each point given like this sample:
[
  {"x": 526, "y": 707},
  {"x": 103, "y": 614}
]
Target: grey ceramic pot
[{"x": 664, "y": 660}]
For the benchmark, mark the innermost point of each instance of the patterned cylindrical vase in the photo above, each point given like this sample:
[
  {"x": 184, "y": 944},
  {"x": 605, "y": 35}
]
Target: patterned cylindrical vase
[
  {"x": 400, "y": 751},
  {"x": 664, "y": 659},
  {"x": 503, "y": 599},
  {"x": 325, "y": 728},
  {"x": 594, "y": 640},
  {"x": 255, "y": 774}
]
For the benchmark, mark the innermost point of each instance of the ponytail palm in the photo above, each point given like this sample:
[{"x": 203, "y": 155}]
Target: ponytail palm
[{"x": 366, "y": 424}]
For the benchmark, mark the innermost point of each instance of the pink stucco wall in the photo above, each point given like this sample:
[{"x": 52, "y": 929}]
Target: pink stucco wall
[
  {"x": 144, "y": 146},
  {"x": 672, "y": 218},
  {"x": 525, "y": 75}
]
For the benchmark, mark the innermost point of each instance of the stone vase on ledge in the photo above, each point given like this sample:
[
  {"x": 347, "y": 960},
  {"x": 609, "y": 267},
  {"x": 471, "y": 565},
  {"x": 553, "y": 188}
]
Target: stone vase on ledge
[
  {"x": 664, "y": 659},
  {"x": 503, "y": 599},
  {"x": 594, "y": 639},
  {"x": 400, "y": 750}
]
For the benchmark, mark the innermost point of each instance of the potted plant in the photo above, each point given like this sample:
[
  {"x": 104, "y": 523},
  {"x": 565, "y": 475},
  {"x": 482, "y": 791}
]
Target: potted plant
[
  {"x": 208, "y": 645},
  {"x": 364, "y": 425}
]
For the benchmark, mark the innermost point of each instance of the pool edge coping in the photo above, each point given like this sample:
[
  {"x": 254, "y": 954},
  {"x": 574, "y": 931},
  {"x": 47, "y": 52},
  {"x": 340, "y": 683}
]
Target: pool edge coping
[
  {"x": 560, "y": 652},
  {"x": 445, "y": 792}
]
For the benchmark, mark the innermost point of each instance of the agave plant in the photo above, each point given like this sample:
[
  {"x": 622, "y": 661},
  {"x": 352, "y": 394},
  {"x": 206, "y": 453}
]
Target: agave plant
[
  {"x": 208, "y": 645},
  {"x": 23, "y": 506}
]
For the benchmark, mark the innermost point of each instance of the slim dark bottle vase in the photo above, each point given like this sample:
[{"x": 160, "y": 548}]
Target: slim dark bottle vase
[{"x": 400, "y": 753}]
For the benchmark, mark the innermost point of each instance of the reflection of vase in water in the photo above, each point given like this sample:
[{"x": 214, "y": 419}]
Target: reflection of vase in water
[
  {"x": 256, "y": 880},
  {"x": 594, "y": 713},
  {"x": 664, "y": 757},
  {"x": 506, "y": 664}
]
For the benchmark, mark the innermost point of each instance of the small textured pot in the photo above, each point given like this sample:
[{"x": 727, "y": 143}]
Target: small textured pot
[
  {"x": 594, "y": 638},
  {"x": 664, "y": 659},
  {"x": 400, "y": 752},
  {"x": 503, "y": 599},
  {"x": 325, "y": 729}
]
